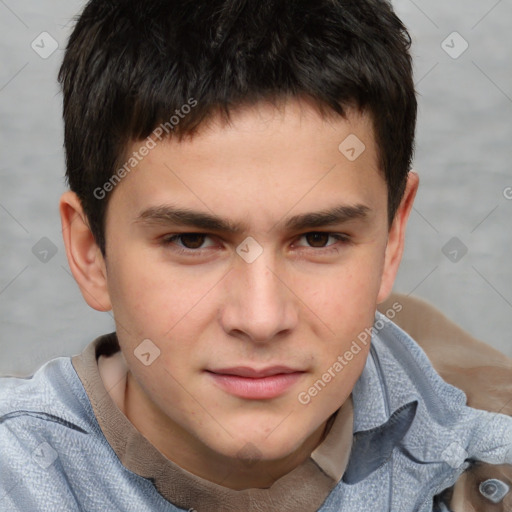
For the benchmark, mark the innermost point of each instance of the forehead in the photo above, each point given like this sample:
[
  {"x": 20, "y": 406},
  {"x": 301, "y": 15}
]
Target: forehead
[
  {"x": 263, "y": 163},
  {"x": 290, "y": 128}
]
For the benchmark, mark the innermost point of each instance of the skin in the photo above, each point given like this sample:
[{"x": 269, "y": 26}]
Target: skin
[{"x": 301, "y": 303}]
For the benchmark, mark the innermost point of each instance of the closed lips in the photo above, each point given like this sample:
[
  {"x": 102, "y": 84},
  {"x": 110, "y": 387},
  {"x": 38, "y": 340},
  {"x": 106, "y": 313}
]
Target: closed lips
[{"x": 252, "y": 373}]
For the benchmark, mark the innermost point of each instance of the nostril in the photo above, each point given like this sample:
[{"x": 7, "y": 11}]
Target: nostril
[{"x": 494, "y": 490}]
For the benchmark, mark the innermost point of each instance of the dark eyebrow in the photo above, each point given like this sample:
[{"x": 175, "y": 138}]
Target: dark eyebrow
[
  {"x": 185, "y": 217},
  {"x": 329, "y": 217},
  {"x": 168, "y": 214}
]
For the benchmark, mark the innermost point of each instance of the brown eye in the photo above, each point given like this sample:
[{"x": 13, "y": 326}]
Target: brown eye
[
  {"x": 323, "y": 240},
  {"x": 317, "y": 239},
  {"x": 192, "y": 240}
]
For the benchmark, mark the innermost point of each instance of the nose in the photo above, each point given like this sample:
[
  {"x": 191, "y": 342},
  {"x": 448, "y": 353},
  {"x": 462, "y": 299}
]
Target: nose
[{"x": 259, "y": 306}]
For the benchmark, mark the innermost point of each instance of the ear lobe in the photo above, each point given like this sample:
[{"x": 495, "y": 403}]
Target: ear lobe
[
  {"x": 396, "y": 238},
  {"x": 84, "y": 256}
]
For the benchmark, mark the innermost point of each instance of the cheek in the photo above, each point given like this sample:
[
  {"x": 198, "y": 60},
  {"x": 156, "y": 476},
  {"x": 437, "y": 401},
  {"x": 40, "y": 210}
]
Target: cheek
[
  {"x": 151, "y": 297},
  {"x": 137, "y": 293},
  {"x": 169, "y": 307},
  {"x": 346, "y": 296},
  {"x": 346, "y": 302}
]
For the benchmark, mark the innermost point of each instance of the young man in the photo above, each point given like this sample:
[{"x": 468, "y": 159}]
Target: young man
[{"x": 240, "y": 187}]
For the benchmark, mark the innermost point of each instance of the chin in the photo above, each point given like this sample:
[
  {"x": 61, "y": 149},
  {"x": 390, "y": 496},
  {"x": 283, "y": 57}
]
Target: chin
[{"x": 273, "y": 444}]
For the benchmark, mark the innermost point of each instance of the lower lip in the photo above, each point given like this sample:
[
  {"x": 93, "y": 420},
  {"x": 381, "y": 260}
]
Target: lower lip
[{"x": 256, "y": 389}]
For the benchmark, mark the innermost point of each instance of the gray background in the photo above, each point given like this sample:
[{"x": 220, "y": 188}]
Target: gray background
[{"x": 463, "y": 157}]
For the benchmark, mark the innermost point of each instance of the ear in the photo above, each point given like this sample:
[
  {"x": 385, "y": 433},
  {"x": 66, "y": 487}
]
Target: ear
[
  {"x": 84, "y": 256},
  {"x": 396, "y": 238}
]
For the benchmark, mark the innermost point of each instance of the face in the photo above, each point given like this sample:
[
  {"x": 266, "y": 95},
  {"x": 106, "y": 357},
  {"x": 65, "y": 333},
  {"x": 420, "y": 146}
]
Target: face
[{"x": 251, "y": 256}]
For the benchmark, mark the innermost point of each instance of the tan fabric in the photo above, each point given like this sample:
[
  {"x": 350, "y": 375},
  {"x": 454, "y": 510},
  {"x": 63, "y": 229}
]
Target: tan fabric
[{"x": 303, "y": 489}]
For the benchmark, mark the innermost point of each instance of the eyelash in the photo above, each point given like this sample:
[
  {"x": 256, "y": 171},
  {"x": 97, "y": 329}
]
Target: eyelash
[{"x": 168, "y": 241}]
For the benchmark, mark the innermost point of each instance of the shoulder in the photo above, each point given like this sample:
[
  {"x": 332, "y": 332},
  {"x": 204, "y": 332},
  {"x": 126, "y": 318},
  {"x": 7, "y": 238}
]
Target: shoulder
[
  {"x": 53, "y": 454},
  {"x": 407, "y": 372},
  {"x": 444, "y": 417},
  {"x": 478, "y": 369},
  {"x": 42, "y": 419},
  {"x": 54, "y": 394}
]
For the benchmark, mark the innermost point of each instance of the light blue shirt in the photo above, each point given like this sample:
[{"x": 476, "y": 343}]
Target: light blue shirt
[{"x": 413, "y": 437}]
